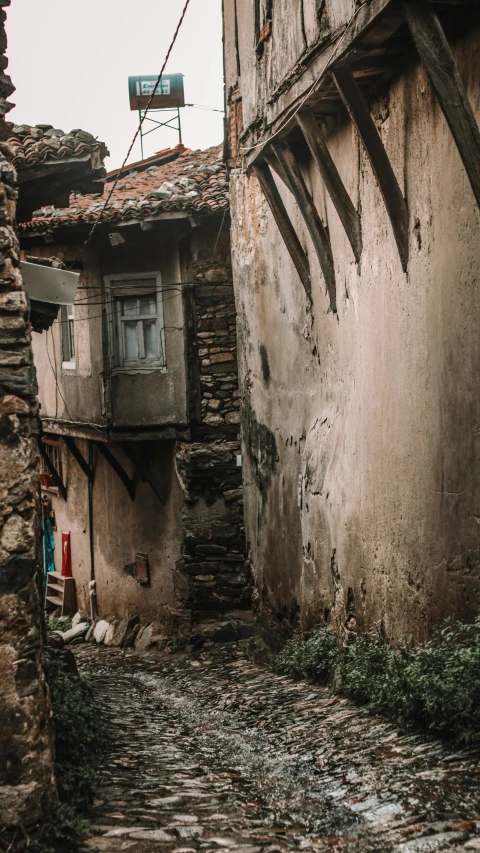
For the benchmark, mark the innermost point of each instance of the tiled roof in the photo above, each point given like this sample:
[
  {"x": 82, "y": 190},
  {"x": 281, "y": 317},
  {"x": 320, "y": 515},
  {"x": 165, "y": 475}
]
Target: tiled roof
[
  {"x": 193, "y": 182},
  {"x": 43, "y": 144}
]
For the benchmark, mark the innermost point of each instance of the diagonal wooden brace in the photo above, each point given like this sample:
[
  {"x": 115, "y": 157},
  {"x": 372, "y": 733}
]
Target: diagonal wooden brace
[
  {"x": 310, "y": 215},
  {"x": 289, "y": 235},
  {"x": 440, "y": 65},
  {"x": 332, "y": 180},
  {"x": 115, "y": 465},
  {"x": 77, "y": 455},
  {"x": 392, "y": 195}
]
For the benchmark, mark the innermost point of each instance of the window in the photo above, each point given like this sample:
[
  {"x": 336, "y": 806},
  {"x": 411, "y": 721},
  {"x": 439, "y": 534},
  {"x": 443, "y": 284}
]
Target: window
[
  {"x": 137, "y": 314},
  {"x": 68, "y": 337},
  {"x": 263, "y": 23},
  {"x": 52, "y": 449}
]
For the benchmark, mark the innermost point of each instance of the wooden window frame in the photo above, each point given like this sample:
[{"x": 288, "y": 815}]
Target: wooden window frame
[
  {"x": 53, "y": 448},
  {"x": 116, "y": 292},
  {"x": 68, "y": 337}
]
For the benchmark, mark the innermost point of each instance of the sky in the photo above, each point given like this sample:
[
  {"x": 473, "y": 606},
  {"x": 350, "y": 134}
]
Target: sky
[{"x": 70, "y": 61}]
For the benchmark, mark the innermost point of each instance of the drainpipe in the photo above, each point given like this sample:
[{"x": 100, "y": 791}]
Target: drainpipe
[{"x": 92, "y": 585}]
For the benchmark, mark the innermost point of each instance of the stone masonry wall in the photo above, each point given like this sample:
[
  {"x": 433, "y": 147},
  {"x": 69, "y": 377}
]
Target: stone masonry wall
[
  {"x": 27, "y": 787},
  {"x": 212, "y": 575}
]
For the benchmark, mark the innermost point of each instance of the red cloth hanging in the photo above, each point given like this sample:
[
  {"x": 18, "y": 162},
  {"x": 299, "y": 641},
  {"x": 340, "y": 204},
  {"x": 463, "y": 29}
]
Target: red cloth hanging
[{"x": 66, "y": 556}]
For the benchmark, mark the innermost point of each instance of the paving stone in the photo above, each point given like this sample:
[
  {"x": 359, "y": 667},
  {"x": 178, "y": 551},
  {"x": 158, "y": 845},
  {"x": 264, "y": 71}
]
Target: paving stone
[
  {"x": 151, "y": 835},
  {"x": 226, "y": 756},
  {"x": 151, "y": 636}
]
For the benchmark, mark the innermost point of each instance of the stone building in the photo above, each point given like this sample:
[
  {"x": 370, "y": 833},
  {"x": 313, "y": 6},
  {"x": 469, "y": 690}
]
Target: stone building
[
  {"x": 139, "y": 395},
  {"x": 27, "y": 786},
  {"x": 354, "y": 153}
]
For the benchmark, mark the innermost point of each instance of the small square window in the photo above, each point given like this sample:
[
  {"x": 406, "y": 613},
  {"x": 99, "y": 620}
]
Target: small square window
[
  {"x": 137, "y": 313},
  {"x": 68, "y": 337}
]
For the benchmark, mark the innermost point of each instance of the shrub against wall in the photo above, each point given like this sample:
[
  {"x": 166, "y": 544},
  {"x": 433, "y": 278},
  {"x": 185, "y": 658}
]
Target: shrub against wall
[{"x": 435, "y": 686}]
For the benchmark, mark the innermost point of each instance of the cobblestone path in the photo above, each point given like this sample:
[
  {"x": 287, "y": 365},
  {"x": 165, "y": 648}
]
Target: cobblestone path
[{"x": 216, "y": 754}]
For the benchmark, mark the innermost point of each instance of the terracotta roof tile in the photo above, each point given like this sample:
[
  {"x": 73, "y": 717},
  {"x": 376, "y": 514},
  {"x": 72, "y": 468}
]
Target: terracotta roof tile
[
  {"x": 195, "y": 181},
  {"x": 41, "y": 144}
]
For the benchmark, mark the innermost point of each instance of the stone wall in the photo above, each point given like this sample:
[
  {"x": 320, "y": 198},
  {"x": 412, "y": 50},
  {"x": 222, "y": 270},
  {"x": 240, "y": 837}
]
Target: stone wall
[
  {"x": 27, "y": 787},
  {"x": 212, "y": 575}
]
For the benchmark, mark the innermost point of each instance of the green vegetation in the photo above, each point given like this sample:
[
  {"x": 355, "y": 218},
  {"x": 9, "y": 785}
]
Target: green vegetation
[
  {"x": 434, "y": 686},
  {"x": 80, "y": 736},
  {"x": 313, "y": 659},
  {"x": 59, "y": 623}
]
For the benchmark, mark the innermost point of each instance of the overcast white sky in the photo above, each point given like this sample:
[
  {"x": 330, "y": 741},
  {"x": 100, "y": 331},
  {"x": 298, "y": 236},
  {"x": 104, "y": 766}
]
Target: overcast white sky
[{"x": 70, "y": 61}]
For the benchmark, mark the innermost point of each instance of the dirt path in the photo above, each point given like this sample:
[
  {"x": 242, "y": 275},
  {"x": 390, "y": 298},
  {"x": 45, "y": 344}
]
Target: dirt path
[{"x": 217, "y": 754}]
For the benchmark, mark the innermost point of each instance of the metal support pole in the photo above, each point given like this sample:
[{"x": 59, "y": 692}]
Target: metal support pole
[{"x": 141, "y": 132}]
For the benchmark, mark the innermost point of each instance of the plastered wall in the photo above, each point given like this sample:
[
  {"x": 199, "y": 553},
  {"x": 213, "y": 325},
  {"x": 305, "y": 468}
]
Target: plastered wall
[
  {"x": 121, "y": 527},
  {"x": 376, "y": 409}
]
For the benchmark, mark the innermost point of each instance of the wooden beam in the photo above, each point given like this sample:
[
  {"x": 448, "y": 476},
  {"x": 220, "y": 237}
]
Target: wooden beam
[
  {"x": 311, "y": 216},
  {"x": 274, "y": 163},
  {"x": 115, "y": 465},
  {"x": 274, "y": 199},
  {"x": 79, "y": 458},
  {"x": 442, "y": 70},
  {"x": 142, "y": 469},
  {"x": 332, "y": 180},
  {"x": 391, "y": 192},
  {"x": 57, "y": 480}
]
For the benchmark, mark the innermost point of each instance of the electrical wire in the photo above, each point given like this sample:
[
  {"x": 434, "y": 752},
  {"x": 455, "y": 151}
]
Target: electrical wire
[
  {"x": 209, "y": 109},
  {"x": 135, "y": 137},
  {"x": 54, "y": 371}
]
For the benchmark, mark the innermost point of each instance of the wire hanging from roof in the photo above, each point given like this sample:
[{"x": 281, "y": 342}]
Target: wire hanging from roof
[{"x": 142, "y": 119}]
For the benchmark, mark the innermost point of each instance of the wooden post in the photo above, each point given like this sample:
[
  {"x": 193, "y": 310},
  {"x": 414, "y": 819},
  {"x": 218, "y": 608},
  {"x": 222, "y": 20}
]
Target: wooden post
[
  {"x": 391, "y": 192},
  {"x": 311, "y": 216},
  {"x": 332, "y": 180},
  {"x": 285, "y": 227},
  {"x": 447, "y": 84}
]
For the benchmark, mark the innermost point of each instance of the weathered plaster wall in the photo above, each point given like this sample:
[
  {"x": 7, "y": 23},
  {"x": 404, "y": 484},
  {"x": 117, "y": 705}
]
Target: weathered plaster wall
[
  {"x": 27, "y": 786},
  {"x": 377, "y": 410},
  {"x": 121, "y": 528},
  {"x": 298, "y": 27}
]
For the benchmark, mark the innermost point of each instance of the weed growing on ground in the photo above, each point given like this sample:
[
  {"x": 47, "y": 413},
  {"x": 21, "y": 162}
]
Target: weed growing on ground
[
  {"x": 314, "y": 658},
  {"x": 79, "y": 733},
  {"x": 434, "y": 686},
  {"x": 59, "y": 623},
  {"x": 80, "y": 737}
]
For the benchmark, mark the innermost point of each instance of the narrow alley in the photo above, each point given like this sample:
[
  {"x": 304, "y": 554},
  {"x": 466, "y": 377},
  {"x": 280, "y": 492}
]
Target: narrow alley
[
  {"x": 240, "y": 426},
  {"x": 212, "y": 752}
]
